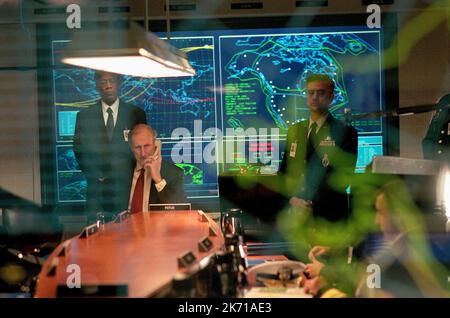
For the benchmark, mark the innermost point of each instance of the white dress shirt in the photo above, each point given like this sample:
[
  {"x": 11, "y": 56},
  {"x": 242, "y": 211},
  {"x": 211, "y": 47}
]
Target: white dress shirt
[{"x": 115, "y": 111}]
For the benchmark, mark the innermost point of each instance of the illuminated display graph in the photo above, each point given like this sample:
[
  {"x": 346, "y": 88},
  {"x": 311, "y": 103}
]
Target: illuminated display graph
[
  {"x": 368, "y": 147},
  {"x": 244, "y": 78},
  {"x": 176, "y": 102},
  {"x": 182, "y": 100},
  {"x": 251, "y": 153},
  {"x": 263, "y": 76},
  {"x": 200, "y": 176},
  {"x": 71, "y": 182},
  {"x": 168, "y": 103}
]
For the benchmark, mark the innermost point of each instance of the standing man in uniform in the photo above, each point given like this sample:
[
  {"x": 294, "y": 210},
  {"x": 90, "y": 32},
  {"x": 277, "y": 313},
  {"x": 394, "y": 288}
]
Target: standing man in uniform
[
  {"x": 101, "y": 146},
  {"x": 320, "y": 156},
  {"x": 436, "y": 144}
]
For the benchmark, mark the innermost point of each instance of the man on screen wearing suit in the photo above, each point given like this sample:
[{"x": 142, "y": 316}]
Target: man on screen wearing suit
[
  {"x": 320, "y": 156},
  {"x": 154, "y": 180},
  {"x": 101, "y": 145}
]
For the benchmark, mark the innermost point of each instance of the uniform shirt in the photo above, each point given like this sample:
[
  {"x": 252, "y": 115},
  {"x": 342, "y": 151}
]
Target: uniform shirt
[{"x": 319, "y": 123}]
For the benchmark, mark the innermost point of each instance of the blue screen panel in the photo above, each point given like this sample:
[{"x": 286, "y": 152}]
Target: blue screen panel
[{"x": 244, "y": 79}]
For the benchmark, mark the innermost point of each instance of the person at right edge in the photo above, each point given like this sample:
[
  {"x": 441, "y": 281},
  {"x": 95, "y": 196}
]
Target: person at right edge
[
  {"x": 436, "y": 144},
  {"x": 320, "y": 156}
]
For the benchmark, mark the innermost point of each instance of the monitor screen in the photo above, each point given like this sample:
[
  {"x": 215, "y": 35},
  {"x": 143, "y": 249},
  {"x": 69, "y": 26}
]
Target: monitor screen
[{"x": 249, "y": 88}]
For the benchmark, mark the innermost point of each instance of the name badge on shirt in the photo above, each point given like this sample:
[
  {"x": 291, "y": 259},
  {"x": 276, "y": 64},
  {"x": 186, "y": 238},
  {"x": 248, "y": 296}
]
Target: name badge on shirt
[
  {"x": 328, "y": 142},
  {"x": 126, "y": 132},
  {"x": 293, "y": 150}
]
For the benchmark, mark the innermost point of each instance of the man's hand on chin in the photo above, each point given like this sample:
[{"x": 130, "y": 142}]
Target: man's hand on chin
[{"x": 154, "y": 164}]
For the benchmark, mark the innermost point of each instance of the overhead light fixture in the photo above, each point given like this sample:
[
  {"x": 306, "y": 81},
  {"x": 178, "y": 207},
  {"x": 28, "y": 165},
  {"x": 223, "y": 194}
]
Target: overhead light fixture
[{"x": 129, "y": 50}]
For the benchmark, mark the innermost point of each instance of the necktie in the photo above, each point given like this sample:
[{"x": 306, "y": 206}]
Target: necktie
[
  {"x": 110, "y": 123},
  {"x": 311, "y": 138},
  {"x": 138, "y": 194}
]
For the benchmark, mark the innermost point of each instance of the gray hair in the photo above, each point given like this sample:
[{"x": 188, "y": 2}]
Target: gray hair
[{"x": 141, "y": 127}]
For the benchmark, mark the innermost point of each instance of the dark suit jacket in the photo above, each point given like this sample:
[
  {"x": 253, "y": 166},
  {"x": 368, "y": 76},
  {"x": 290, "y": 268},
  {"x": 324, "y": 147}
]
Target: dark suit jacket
[
  {"x": 100, "y": 158},
  {"x": 173, "y": 192},
  {"x": 323, "y": 177}
]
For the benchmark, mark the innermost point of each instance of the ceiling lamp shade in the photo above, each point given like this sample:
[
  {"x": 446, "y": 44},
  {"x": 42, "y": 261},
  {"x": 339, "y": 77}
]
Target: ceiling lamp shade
[{"x": 128, "y": 51}]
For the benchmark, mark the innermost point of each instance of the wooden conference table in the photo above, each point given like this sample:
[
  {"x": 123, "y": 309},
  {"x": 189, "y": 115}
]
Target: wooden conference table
[{"x": 140, "y": 253}]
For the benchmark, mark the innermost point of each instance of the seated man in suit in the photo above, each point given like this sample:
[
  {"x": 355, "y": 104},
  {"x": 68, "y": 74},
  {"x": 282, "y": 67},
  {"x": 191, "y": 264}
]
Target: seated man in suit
[{"x": 154, "y": 180}]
